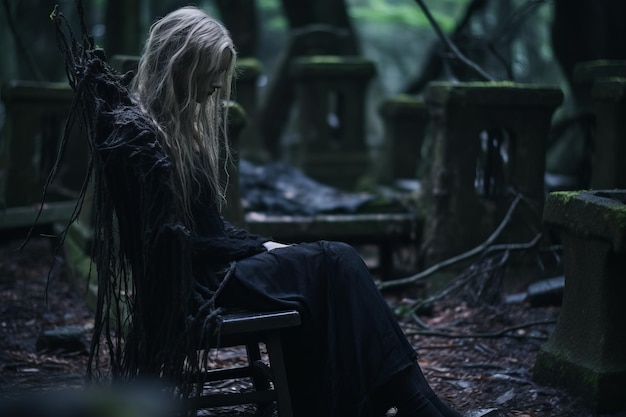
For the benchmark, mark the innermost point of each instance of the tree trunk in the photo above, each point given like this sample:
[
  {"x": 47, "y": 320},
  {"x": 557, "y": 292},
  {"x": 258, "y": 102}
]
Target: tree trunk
[
  {"x": 122, "y": 27},
  {"x": 300, "y": 13},
  {"x": 240, "y": 17},
  {"x": 585, "y": 30}
]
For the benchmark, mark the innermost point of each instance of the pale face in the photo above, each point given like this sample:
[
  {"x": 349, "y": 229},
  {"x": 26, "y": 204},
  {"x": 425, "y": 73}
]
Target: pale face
[{"x": 207, "y": 81}]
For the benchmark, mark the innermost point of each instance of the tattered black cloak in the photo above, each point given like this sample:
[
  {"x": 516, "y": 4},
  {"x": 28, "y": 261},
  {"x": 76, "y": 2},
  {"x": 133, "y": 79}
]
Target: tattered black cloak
[{"x": 349, "y": 342}]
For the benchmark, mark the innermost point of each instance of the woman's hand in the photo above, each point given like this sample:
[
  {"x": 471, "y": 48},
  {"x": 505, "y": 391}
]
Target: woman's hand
[{"x": 269, "y": 245}]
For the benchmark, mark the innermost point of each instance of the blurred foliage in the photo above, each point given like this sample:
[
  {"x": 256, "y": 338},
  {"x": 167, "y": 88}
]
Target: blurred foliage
[
  {"x": 271, "y": 13},
  {"x": 406, "y": 12}
]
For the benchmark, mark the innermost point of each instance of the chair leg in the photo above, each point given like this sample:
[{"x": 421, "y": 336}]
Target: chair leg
[
  {"x": 260, "y": 380},
  {"x": 253, "y": 352},
  {"x": 275, "y": 352}
]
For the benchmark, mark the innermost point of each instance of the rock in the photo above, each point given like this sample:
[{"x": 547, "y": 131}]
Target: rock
[
  {"x": 516, "y": 298},
  {"x": 546, "y": 292},
  {"x": 65, "y": 339}
]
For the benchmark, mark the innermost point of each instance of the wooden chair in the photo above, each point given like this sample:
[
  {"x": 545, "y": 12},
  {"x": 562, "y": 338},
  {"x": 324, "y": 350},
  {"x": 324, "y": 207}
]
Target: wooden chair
[{"x": 269, "y": 380}]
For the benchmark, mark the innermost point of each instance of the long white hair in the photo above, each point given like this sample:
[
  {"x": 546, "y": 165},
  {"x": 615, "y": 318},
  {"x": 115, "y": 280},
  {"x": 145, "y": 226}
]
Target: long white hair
[{"x": 179, "y": 46}]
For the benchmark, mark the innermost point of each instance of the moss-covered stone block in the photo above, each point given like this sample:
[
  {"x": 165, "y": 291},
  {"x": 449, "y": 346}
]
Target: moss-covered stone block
[
  {"x": 488, "y": 138},
  {"x": 609, "y": 106},
  {"x": 586, "y": 353},
  {"x": 406, "y": 120},
  {"x": 330, "y": 103}
]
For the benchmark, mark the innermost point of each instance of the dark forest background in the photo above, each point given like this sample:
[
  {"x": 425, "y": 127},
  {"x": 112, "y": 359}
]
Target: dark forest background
[{"x": 530, "y": 41}]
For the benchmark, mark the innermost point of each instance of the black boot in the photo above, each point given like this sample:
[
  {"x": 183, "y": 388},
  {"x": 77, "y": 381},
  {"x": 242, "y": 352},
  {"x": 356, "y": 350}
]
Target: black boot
[
  {"x": 420, "y": 381},
  {"x": 409, "y": 392}
]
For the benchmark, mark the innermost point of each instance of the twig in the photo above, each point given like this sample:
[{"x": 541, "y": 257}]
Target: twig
[
  {"x": 418, "y": 320},
  {"x": 459, "y": 282},
  {"x": 469, "y": 277},
  {"x": 470, "y": 274},
  {"x": 505, "y": 32},
  {"x": 509, "y": 27},
  {"x": 500, "y": 333},
  {"x": 515, "y": 246},
  {"x": 451, "y": 46},
  {"x": 20, "y": 45},
  {"x": 455, "y": 259}
]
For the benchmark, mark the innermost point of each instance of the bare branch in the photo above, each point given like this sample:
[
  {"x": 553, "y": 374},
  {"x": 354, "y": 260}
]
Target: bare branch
[
  {"x": 468, "y": 275},
  {"x": 489, "y": 335},
  {"x": 21, "y": 48},
  {"x": 455, "y": 259},
  {"x": 451, "y": 46}
]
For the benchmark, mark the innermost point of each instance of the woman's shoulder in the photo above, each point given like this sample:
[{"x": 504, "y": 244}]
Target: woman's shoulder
[{"x": 129, "y": 132}]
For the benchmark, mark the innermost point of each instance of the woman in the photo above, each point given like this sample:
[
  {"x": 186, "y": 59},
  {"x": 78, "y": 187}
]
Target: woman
[{"x": 158, "y": 147}]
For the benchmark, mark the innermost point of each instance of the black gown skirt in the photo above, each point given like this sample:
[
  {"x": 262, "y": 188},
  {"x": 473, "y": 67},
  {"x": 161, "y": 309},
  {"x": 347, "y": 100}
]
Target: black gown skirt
[{"x": 349, "y": 343}]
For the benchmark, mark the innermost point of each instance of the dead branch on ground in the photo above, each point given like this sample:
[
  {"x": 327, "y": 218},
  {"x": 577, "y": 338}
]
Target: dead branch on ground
[
  {"x": 505, "y": 332},
  {"x": 458, "y": 258}
]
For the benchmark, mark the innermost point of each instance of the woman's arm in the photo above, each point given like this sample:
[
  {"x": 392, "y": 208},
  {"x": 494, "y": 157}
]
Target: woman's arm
[
  {"x": 236, "y": 232},
  {"x": 219, "y": 242}
]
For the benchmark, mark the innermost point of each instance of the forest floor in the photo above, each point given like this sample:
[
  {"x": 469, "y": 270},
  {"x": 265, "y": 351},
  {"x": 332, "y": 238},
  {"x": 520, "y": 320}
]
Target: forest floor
[{"x": 478, "y": 367}]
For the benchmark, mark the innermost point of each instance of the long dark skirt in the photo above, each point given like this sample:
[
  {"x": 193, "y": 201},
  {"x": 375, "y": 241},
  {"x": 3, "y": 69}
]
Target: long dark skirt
[{"x": 349, "y": 342}]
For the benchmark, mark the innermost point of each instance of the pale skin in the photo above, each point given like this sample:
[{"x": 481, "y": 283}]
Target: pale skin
[
  {"x": 207, "y": 81},
  {"x": 269, "y": 245}
]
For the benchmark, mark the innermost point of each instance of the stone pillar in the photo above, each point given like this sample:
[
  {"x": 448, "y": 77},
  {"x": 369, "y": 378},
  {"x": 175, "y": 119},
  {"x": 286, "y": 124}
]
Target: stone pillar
[
  {"x": 405, "y": 119},
  {"x": 279, "y": 97},
  {"x": 587, "y": 73},
  {"x": 36, "y": 116},
  {"x": 488, "y": 137},
  {"x": 251, "y": 146},
  {"x": 124, "y": 63},
  {"x": 35, "y": 122},
  {"x": 331, "y": 94},
  {"x": 233, "y": 212},
  {"x": 586, "y": 352},
  {"x": 597, "y": 109},
  {"x": 609, "y": 100}
]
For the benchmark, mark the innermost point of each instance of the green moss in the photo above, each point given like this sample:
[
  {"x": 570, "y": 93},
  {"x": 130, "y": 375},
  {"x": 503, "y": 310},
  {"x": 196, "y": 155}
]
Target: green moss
[
  {"x": 332, "y": 66},
  {"x": 495, "y": 84},
  {"x": 559, "y": 365},
  {"x": 252, "y": 65},
  {"x": 403, "y": 103},
  {"x": 236, "y": 114},
  {"x": 469, "y": 86},
  {"x": 565, "y": 196},
  {"x": 591, "y": 380},
  {"x": 325, "y": 59},
  {"x": 404, "y": 98},
  {"x": 617, "y": 214}
]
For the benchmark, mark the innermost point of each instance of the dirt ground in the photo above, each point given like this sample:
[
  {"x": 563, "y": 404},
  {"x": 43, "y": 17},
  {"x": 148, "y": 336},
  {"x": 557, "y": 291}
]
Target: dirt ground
[{"x": 470, "y": 372}]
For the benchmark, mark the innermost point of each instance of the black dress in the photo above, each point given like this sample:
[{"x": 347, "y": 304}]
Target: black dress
[{"x": 349, "y": 343}]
